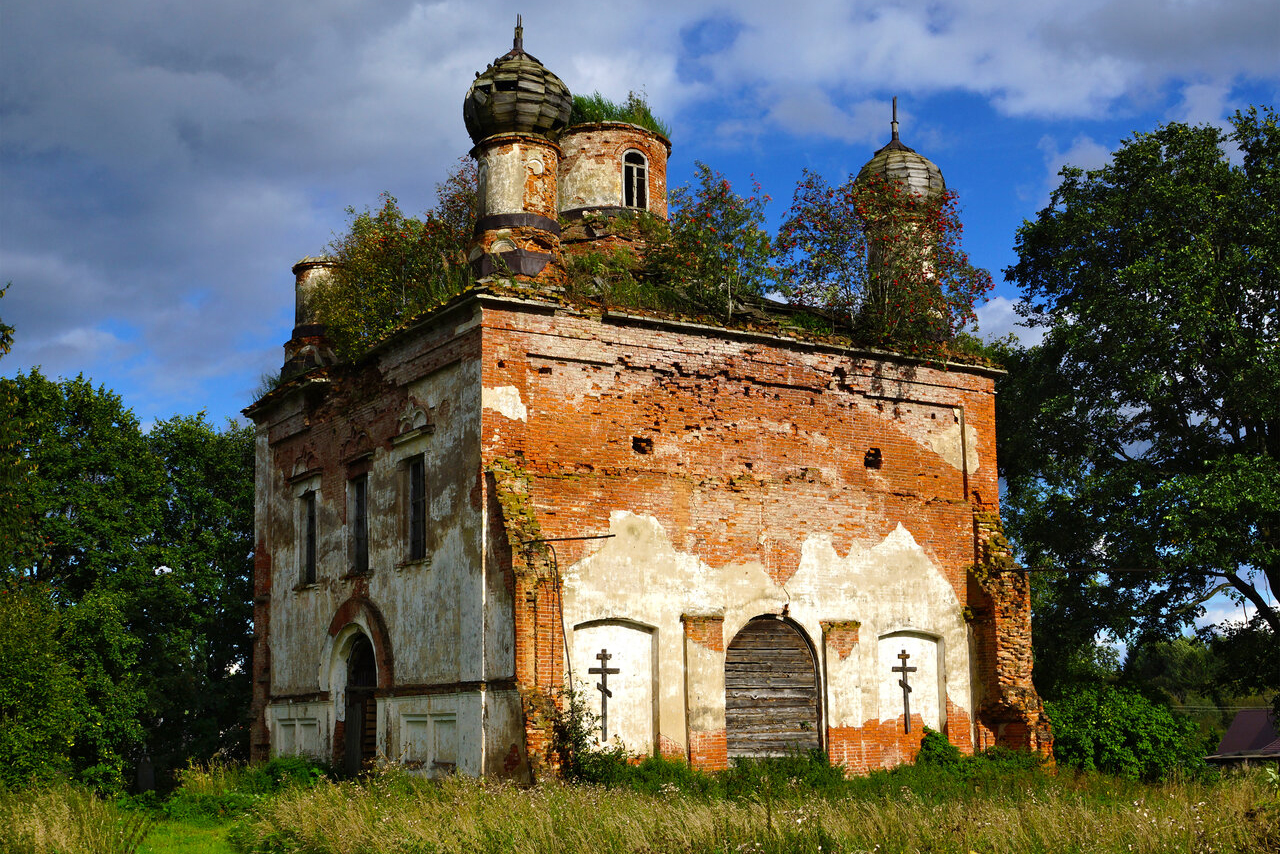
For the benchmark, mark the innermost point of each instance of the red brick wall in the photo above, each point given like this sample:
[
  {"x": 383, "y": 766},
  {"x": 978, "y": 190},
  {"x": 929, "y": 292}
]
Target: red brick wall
[{"x": 741, "y": 446}]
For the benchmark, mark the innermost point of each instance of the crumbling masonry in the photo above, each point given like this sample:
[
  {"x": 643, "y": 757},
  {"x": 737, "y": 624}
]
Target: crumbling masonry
[{"x": 749, "y": 531}]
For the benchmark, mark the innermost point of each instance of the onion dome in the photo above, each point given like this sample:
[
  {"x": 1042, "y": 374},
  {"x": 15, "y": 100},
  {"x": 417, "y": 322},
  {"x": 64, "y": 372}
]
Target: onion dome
[
  {"x": 904, "y": 165},
  {"x": 516, "y": 94}
]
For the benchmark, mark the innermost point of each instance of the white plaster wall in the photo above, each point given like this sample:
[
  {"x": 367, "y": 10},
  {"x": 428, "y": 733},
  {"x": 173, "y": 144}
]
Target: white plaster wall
[
  {"x": 505, "y": 168},
  {"x": 592, "y": 181},
  {"x": 300, "y": 729},
  {"x": 925, "y": 681},
  {"x": 437, "y": 733},
  {"x": 889, "y": 586},
  {"x": 432, "y": 609},
  {"x": 630, "y": 647}
]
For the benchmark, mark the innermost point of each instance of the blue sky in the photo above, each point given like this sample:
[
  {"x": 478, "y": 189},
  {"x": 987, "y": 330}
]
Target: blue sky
[{"x": 163, "y": 165}]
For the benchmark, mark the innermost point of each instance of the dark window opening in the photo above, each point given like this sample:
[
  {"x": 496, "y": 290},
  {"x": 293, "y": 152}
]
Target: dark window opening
[
  {"x": 872, "y": 459},
  {"x": 506, "y": 85},
  {"x": 360, "y": 525},
  {"x": 309, "y": 538},
  {"x": 635, "y": 180},
  {"x": 417, "y": 509},
  {"x": 641, "y": 445}
]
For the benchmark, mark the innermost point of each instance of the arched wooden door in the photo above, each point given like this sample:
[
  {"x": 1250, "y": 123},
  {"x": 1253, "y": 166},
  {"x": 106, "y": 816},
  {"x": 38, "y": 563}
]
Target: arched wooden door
[
  {"x": 771, "y": 691},
  {"x": 360, "y": 736}
]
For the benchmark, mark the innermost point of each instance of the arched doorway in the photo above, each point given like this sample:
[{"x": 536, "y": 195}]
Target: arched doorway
[
  {"x": 360, "y": 735},
  {"x": 771, "y": 691}
]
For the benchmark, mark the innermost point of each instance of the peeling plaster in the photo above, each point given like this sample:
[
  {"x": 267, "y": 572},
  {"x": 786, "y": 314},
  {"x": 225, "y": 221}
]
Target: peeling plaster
[
  {"x": 505, "y": 400},
  {"x": 890, "y": 586}
]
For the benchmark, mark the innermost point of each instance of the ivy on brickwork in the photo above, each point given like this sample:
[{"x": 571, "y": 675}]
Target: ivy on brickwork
[
  {"x": 519, "y": 520},
  {"x": 996, "y": 553}
]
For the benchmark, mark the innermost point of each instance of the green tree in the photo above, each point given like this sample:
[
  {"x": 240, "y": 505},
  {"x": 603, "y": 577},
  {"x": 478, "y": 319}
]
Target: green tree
[
  {"x": 41, "y": 698},
  {"x": 1141, "y": 442},
  {"x": 718, "y": 252},
  {"x": 391, "y": 268},
  {"x": 145, "y": 546},
  {"x": 90, "y": 497},
  {"x": 881, "y": 259},
  {"x": 199, "y": 606}
]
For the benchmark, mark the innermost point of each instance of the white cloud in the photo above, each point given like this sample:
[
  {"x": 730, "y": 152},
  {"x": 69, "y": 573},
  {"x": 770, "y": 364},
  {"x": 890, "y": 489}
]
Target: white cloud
[
  {"x": 997, "y": 318},
  {"x": 163, "y": 165}
]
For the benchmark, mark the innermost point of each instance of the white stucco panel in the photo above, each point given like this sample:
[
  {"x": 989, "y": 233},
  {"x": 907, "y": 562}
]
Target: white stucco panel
[
  {"x": 505, "y": 400},
  {"x": 890, "y": 586}
]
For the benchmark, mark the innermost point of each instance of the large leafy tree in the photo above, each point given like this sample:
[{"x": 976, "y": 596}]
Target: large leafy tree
[
  {"x": 392, "y": 267},
  {"x": 1141, "y": 439},
  {"x": 199, "y": 604},
  {"x": 884, "y": 260},
  {"x": 141, "y": 545}
]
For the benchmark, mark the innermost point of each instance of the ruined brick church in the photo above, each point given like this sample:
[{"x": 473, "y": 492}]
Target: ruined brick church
[{"x": 734, "y": 543}]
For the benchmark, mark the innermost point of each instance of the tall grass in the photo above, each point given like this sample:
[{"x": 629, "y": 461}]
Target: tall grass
[
  {"x": 67, "y": 820},
  {"x": 396, "y": 813}
]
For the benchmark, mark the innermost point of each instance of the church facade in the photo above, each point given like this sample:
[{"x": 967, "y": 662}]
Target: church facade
[{"x": 731, "y": 543}]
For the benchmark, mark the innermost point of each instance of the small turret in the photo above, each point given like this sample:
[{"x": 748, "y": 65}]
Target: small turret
[
  {"x": 514, "y": 111},
  {"x": 309, "y": 346},
  {"x": 895, "y": 160}
]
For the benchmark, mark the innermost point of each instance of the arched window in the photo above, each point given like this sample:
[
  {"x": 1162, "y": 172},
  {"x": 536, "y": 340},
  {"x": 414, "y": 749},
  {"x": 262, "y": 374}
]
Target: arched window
[{"x": 635, "y": 180}]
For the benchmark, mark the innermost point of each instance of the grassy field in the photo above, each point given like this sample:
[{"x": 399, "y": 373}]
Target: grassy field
[{"x": 791, "y": 806}]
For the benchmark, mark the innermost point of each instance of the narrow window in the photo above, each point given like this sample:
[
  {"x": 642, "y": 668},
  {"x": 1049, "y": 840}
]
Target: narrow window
[
  {"x": 309, "y": 537},
  {"x": 635, "y": 180},
  {"x": 360, "y": 524},
  {"x": 417, "y": 509}
]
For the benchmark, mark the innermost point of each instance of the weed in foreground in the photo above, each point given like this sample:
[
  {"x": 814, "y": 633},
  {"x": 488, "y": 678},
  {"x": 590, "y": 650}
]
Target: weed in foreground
[
  {"x": 64, "y": 818},
  {"x": 1070, "y": 814}
]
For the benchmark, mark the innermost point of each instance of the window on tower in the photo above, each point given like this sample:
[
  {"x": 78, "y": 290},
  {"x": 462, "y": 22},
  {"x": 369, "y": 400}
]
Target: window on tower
[{"x": 635, "y": 180}]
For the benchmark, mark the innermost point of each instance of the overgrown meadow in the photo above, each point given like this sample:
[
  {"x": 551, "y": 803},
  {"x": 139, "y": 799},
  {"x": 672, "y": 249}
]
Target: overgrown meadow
[{"x": 999, "y": 803}]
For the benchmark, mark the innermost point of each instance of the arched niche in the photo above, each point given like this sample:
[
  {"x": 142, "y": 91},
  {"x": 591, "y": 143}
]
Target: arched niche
[
  {"x": 628, "y": 716},
  {"x": 923, "y": 651},
  {"x": 772, "y": 703}
]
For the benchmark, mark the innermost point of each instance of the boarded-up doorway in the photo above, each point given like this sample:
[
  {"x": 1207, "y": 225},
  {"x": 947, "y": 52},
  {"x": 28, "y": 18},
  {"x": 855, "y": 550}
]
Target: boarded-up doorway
[
  {"x": 771, "y": 691},
  {"x": 360, "y": 735}
]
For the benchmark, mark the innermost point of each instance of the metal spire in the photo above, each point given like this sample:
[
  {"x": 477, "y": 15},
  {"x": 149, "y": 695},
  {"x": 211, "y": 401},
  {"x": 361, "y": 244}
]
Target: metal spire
[
  {"x": 894, "y": 123},
  {"x": 517, "y": 44}
]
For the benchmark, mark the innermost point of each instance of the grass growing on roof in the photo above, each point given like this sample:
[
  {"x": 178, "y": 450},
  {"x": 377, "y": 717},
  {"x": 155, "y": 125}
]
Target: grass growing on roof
[{"x": 634, "y": 110}]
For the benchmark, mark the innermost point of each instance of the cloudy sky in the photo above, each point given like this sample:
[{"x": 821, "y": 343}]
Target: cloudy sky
[{"x": 163, "y": 164}]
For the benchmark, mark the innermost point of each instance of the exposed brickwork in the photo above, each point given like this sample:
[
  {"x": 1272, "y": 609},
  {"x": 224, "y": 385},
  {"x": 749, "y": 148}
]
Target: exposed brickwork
[
  {"x": 591, "y": 166},
  {"x": 707, "y": 631},
  {"x": 670, "y": 749},
  {"x": 709, "y": 750},
  {"x": 741, "y": 446},
  {"x": 1011, "y": 712},
  {"x": 883, "y": 744},
  {"x": 841, "y": 636}
]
